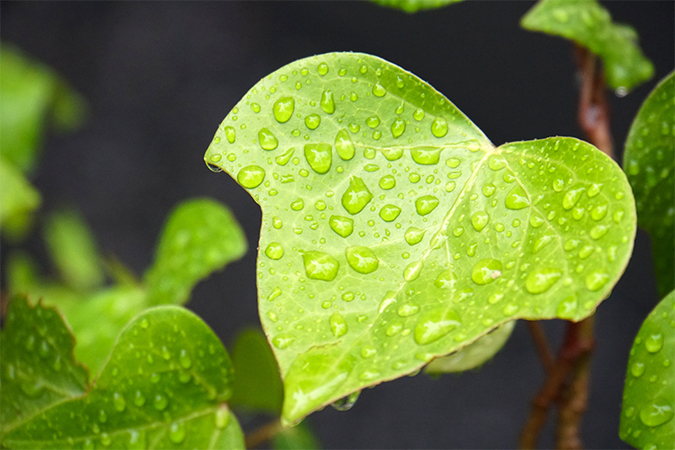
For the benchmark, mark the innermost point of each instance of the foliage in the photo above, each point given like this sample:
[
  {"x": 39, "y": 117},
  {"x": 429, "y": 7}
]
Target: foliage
[
  {"x": 415, "y": 236},
  {"x": 16, "y": 209},
  {"x": 413, "y": 6}
]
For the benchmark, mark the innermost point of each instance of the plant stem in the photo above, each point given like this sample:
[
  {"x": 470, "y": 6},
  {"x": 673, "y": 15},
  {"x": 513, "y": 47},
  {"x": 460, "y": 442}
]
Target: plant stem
[
  {"x": 541, "y": 343},
  {"x": 263, "y": 433}
]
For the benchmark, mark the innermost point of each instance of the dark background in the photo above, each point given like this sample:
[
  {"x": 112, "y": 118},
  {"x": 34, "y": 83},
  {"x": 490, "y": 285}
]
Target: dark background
[{"x": 161, "y": 76}]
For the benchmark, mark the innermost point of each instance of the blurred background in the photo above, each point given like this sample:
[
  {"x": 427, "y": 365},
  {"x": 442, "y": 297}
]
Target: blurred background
[{"x": 160, "y": 76}]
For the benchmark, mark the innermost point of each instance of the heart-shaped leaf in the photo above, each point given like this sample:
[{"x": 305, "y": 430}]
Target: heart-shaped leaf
[
  {"x": 649, "y": 161},
  {"x": 394, "y": 232},
  {"x": 589, "y": 24},
  {"x": 164, "y": 386},
  {"x": 649, "y": 394},
  {"x": 412, "y": 6}
]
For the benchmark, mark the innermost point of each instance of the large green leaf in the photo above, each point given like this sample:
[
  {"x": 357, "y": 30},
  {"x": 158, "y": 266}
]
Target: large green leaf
[
  {"x": 649, "y": 162},
  {"x": 412, "y": 6},
  {"x": 199, "y": 236},
  {"x": 18, "y": 198},
  {"x": 589, "y": 24},
  {"x": 649, "y": 394},
  {"x": 394, "y": 232},
  {"x": 73, "y": 249},
  {"x": 257, "y": 385},
  {"x": 164, "y": 386},
  {"x": 37, "y": 369}
]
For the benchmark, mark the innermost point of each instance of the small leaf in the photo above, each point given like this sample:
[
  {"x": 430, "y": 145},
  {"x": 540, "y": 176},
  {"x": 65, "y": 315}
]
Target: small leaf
[
  {"x": 589, "y": 24},
  {"x": 649, "y": 161},
  {"x": 300, "y": 437},
  {"x": 474, "y": 355},
  {"x": 257, "y": 383},
  {"x": 413, "y": 6},
  {"x": 199, "y": 237},
  {"x": 164, "y": 386},
  {"x": 73, "y": 249},
  {"x": 37, "y": 369},
  {"x": 18, "y": 198},
  {"x": 649, "y": 394},
  {"x": 21, "y": 272},
  {"x": 420, "y": 241}
]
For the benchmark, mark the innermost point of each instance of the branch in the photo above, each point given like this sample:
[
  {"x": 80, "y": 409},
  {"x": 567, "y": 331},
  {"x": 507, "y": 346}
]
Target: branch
[
  {"x": 541, "y": 343},
  {"x": 263, "y": 433}
]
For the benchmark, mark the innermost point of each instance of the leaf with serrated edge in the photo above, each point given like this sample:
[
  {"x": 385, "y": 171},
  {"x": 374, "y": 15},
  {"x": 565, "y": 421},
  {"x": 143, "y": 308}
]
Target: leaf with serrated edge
[
  {"x": 394, "y": 232},
  {"x": 649, "y": 393},
  {"x": 589, "y": 24},
  {"x": 199, "y": 237},
  {"x": 474, "y": 355},
  {"x": 413, "y": 6},
  {"x": 37, "y": 369},
  {"x": 649, "y": 162},
  {"x": 164, "y": 386}
]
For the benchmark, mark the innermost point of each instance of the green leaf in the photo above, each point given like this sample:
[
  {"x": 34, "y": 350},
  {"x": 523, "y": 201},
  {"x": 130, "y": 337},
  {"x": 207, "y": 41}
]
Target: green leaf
[
  {"x": 649, "y": 393},
  {"x": 590, "y": 25},
  {"x": 21, "y": 272},
  {"x": 649, "y": 161},
  {"x": 474, "y": 355},
  {"x": 394, "y": 232},
  {"x": 18, "y": 198},
  {"x": 413, "y": 6},
  {"x": 30, "y": 91},
  {"x": 164, "y": 386},
  {"x": 73, "y": 249},
  {"x": 37, "y": 369},
  {"x": 257, "y": 383},
  {"x": 300, "y": 437},
  {"x": 199, "y": 237}
]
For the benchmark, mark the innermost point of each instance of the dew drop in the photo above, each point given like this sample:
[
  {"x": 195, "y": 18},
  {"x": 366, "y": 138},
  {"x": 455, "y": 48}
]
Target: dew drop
[
  {"x": 387, "y": 182},
  {"x": 418, "y": 115},
  {"x": 389, "y": 213},
  {"x": 654, "y": 343},
  {"x": 267, "y": 140},
  {"x": 319, "y": 157},
  {"x": 414, "y": 235},
  {"x": 446, "y": 279},
  {"x": 344, "y": 145},
  {"x": 274, "y": 251},
  {"x": 572, "y": 196},
  {"x": 362, "y": 259},
  {"x": 426, "y": 204},
  {"x": 230, "y": 134},
  {"x": 439, "y": 127},
  {"x": 479, "y": 220},
  {"x": 320, "y": 266},
  {"x": 118, "y": 402},
  {"x": 541, "y": 280},
  {"x": 343, "y": 226},
  {"x": 379, "y": 90},
  {"x": 656, "y": 413},
  {"x": 489, "y": 189},
  {"x": 338, "y": 325},
  {"x": 160, "y": 402},
  {"x": 435, "y": 324},
  {"x": 283, "y": 340},
  {"x": 567, "y": 308},
  {"x": 177, "y": 433},
  {"x": 596, "y": 280},
  {"x": 313, "y": 121},
  {"x": 283, "y": 109},
  {"x": 346, "y": 403},
  {"x": 486, "y": 271},
  {"x": 413, "y": 270},
  {"x": 322, "y": 69},
  {"x": 426, "y": 155},
  {"x": 517, "y": 198},
  {"x": 407, "y": 310},
  {"x": 251, "y": 176},
  {"x": 139, "y": 399},
  {"x": 637, "y": 369},
  {"x": 357, "y": 196}
]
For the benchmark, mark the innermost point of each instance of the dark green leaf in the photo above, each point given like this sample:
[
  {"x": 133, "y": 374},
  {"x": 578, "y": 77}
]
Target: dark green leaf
[
  {"x": 649, "y": 394},
  {"x": 649, "y": 162},
  {"x": 164, "y": 386},
  {"x": 394, "y": 232},
  {"x": 300, "y": 437},
  {"x": 37, "y": 369},
  {"x": 199, "y": 237},
  {"x": 412, "y": 6},
  {"x": 18, "y": 198},
  {"x": 257, "y": 383},
  {"x": 589, "y": 24}
]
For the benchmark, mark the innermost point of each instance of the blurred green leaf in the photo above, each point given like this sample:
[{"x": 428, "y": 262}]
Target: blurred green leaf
[
  {"x": 649, "y": 393},
  {"x": 300, "y": 437},
  {"x": 590, "y": 25},
  {"x": 164, "y": 386},
  {"x": 21, "y": 272},
  {"x": 257, "y": 382},
  {"x": 474, "y": 355},
  {"x": 37, "y": 369},
  {"x": 72, "y": 247},
  {"x": 649, "y": 161},
  {"x": 18, "y": 198},
  {"x": 413, "y": 6},
  {"x": 199, "y": 237}
]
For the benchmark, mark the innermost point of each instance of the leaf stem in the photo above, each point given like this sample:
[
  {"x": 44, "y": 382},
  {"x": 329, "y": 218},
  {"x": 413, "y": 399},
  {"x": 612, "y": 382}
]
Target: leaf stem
[
  {"x": 263, "y": 433},
  {"x": 541, "y": 343}
]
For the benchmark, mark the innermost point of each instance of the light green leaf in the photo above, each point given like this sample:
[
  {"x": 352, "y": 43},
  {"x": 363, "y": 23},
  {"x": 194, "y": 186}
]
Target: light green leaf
[
  {"x": 21, "y": 272},
  {"x": 394, "y": 232},
  {"x": 18, "y": 198},
  {"x": 300, "y": 437},
  {"x": 649, "y": 394},
  {"x": 73, "y": 249},
  {"x": 164, "y": 386},
  {"x": 30, "y": 91},
  {"x": 649, "y": 162},
  {"x": 474, "y": 355},
  {"x": 413, "y": 6},
  {"x": 199, "y": 237},
  {"x": 257, "y": 383},
  {"x": 37, "y": 369},
  {"x": 589, "y": 24}
]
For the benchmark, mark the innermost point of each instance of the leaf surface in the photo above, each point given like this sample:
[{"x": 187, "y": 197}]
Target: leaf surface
[
  {"x": 164, "y": 386},
  {"x": 413, "y": 6},
  {"x": 394, "y": 232},
  {"x": 199, "y": 237},
  {"x": 649, "y": 161},
  {"x": 589, "y": 24},
  {"x": 18, "y": 198},
  {"x": 649, "y": 393},
  {"x": 37, "y": 369},
  {"x": 300, "y": 437}
]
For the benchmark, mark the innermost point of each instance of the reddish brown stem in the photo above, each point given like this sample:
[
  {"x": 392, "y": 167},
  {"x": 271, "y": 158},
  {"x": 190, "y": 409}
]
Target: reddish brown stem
[
  {"x": 541, "y": 343},
  {"x": 263, "y": 434}
]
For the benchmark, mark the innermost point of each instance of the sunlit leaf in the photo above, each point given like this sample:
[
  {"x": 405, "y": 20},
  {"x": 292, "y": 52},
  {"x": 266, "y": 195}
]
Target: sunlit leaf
[
  {"x": 649, "y": 394},
  {"x": 199, "y": 237},
  {"x": 300, "y": 437},
  {"x": 257, "y": 383},
  {"x": 649, "y": 162},
  {"x": 164, "y": 386},
  {"x": 18, "y": 198},
  {"x": 37, "y": 369},
  {"x": 589, "y": 24},
  {"x": 412, "y": 6},
  {"x": 474, "y": 355},
  {"x": 73, "y": 249},
  {"x": 394, "y": 232}
]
